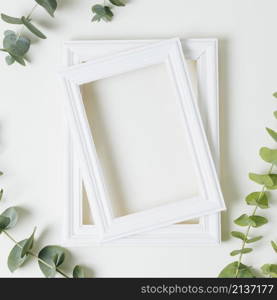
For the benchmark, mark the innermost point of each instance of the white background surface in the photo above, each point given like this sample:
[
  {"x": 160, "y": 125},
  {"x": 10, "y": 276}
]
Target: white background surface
[{"x": 31, "y": 125}]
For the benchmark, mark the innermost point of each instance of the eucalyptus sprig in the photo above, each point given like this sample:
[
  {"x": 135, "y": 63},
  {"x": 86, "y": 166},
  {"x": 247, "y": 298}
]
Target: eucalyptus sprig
[
  {"x": 259, "y": 200},
  {"x": 50, "y": 258},
  {"x": 15, "y": 44},
  {"x": 104, "y": 11}
]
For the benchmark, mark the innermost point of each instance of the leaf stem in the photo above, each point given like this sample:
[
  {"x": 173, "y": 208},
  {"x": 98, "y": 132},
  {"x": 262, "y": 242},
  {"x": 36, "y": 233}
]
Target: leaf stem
[
  {"x": 34, "y": 255},
  {"x": 28, "y": 17},
  {"x": 249, "y": 226}
]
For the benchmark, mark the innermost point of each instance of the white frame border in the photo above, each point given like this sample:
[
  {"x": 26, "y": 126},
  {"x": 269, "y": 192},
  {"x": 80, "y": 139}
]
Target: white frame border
[{"x": 204, "y": 51}]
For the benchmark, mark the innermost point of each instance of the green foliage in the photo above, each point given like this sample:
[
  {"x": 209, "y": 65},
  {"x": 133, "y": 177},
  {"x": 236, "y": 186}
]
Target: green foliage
[
  {"x": 4, "y": 222},
  {"x": 54, "y": 256},
  {"x": 269, "y": 155},
  {"x": 15, "y": 259},
  {"x": 49, "y": 5},
  {"x": 269, "y": 270},
  {"x": 253, "y": 240},
  {"x": 239, "y": 235},
  {"x": 257, "y": 199},
  {"x": 28, "y": 245},
  {"x": 118, "y": 2},
  {"x": 12, "y": 215},
  {"x": 243, "y": 220},
  {"x": 263, "y": 179},
  {"x": 236, "y": 269},
  {"x": 101, "y": 12},
  {"x": 274, "y": 246},
  {"x": 272, "y": 132},
  {"x": 32, "y": 28},
  {"x": 78, "y": 272},
  {"x": 16, "y": 46},
  {"x": 243, "y": 251},
  {"x": 1, "y": 194},
  {"x": 11, "y": 20},
  {"x": 104, "y": 12}
]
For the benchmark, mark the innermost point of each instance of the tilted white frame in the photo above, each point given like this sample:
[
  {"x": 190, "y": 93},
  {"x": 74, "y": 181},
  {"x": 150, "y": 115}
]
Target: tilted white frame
[
  {"x": 168, "y": 51},
  {"x": 208, "y": 232}
]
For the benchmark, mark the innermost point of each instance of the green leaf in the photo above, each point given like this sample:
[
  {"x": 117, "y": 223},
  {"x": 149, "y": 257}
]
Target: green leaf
[
  {"x": 9, "y": 60},
  {"x": 49, "y": 5},
  {"x": 271, "y": 132},
  {"x": 118, "y": 2},
  {"x": 15, "y": 260},
  {"x": 1, "y": 173},
  {"x": 16, "y": 46},
  {"x": 275, "y": 114},
  {"x": 274, "y": 246},
  {"x": 102, "y": 13},
  {"x": 258, "y": 221},
  {"x": 243, "y": 220},
  {"x": 253, "y": 240},
  {"x": 4, "y": 223},
  {"x": 78, "y": 272},
  {"x": 257, "y": 199},
  {"x": 243, "y": 251},
  {"x": 12, "y": 215},
  {"x": 19, "y": 59},
  {"x": 54, "y": 256},
  {"x": 10, "y": 20},
  {"x": 264, "y": 179},
  {"x": 238, "y": 235},
  {"x": 275, "y": 95},
  {"x": 273, "y": 177},
  {"x": 269, "y": 155},
  {"x": 1, "y": 194},
  {"x": 29, "y": 244},
  {"x": 270, "y": 270},
  {"x": 230, "y": 271},
  {"x": 33, "y": 28}
]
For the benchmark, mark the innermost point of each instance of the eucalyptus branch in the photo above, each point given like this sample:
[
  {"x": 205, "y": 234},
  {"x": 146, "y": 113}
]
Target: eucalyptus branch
[
  {"x": 15, "y": 44},
  {"x": 259, "y": 199},
  {"x": 250, "y": 226},
  {"x": 104, "y": 12}
]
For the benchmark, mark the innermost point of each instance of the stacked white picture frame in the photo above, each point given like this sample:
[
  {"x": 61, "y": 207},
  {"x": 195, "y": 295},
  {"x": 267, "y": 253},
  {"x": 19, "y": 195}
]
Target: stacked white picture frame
[{"x": 207, "y": 231}]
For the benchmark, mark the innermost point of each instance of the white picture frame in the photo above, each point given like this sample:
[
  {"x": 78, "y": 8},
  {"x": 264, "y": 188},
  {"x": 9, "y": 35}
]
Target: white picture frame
[{"x": 73, "y": 77}]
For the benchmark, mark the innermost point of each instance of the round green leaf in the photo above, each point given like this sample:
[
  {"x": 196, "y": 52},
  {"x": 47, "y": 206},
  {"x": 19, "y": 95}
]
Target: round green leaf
[
  {"x": 49, "y": 5},
  {"x": 4, "y": 223},
  {"x": 102, "y": 13},
  {"x": 16, "y": 46},
  {"x": 258, "y": 221},
  {"x": 78, "y": 272},
  {"x": 15, "y": 260},
  {"x": 269, "y": 155},
  {"x": 243, "y": 220},
  {"x": 275, "y": 115},
  {"x": 264, "y": 179},
  {"x": 54, "y": 256},
  {"x": 10, "y": 20},
  {"x": 118, "y": 2},
  {"x": 11, "y": 213},
  {"x": 230, "y": 271},
  {"x": 257, "y": 199},
  {"x": 238, "y": 235},
  {"x": 275, "y": 95},
  {"x": 33, "y": 28}
]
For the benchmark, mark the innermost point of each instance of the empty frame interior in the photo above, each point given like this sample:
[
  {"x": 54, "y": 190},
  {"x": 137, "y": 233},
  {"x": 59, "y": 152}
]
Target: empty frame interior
[{"x": 138, "y": 131}]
